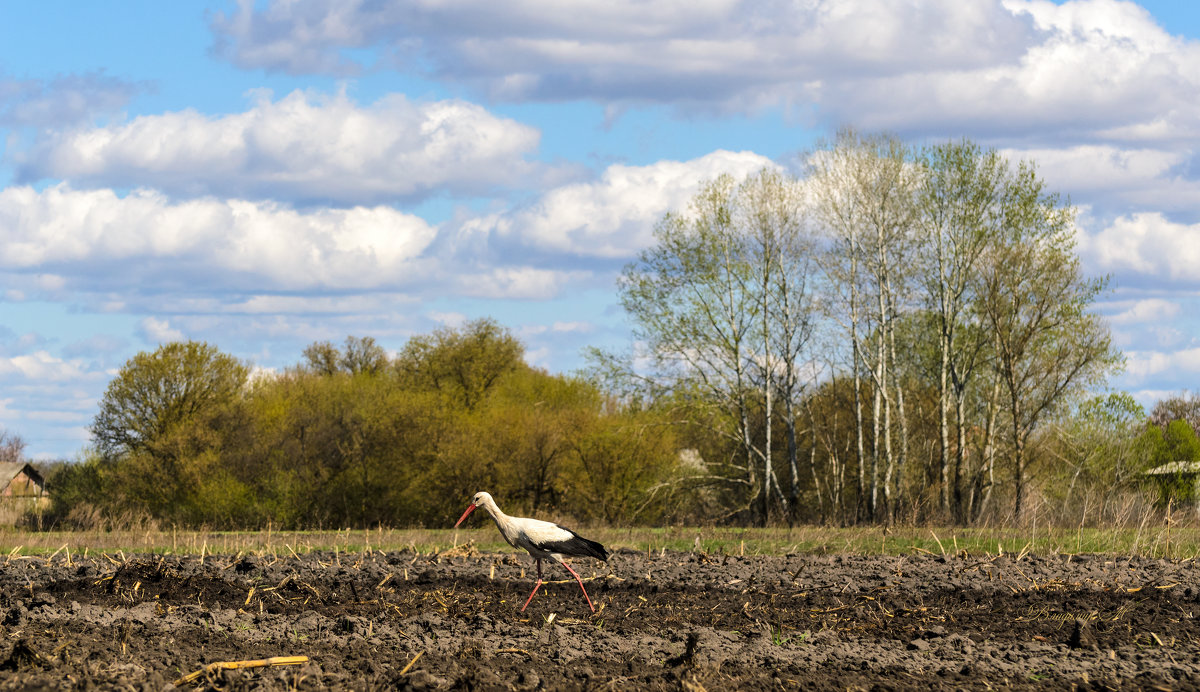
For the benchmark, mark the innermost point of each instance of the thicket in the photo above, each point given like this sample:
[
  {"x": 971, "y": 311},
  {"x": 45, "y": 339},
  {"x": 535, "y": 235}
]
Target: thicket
[{"x": 187, "y": 435}]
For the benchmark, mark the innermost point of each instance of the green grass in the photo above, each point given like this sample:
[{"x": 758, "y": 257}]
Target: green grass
[{"x": 1178, "y": 542}]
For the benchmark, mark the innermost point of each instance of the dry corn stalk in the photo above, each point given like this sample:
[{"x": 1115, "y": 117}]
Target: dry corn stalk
[
  {"x": 235, "y": 665},
  {"x": 410, "y": 663}
]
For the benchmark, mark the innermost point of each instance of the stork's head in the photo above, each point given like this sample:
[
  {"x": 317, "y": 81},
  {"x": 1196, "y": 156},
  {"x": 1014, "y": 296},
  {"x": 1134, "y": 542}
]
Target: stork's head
[{"x": 480, "y": 499}]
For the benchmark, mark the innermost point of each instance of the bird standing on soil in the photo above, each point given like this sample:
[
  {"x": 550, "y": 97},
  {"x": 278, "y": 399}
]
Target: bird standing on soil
[{"x": 543, "y": 540}]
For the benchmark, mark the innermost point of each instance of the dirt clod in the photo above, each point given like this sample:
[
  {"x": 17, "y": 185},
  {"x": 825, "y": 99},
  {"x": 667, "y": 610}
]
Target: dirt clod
[
  {"x": 21, "y": 657},
  {"x": 1081, "y": 636}
]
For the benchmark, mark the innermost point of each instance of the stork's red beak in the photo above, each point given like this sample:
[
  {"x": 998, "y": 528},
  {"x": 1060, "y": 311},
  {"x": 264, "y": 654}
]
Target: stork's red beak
[{"x": 470, "y": 508}]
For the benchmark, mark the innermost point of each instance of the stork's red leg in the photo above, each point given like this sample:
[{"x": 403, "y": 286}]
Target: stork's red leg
[
  {"x": 535, "y": 587},
  {"x": 585, "y": 594}
]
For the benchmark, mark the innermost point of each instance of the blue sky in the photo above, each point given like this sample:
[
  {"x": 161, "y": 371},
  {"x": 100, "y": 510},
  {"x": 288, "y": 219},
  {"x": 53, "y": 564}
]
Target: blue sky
[{"x": 264, "y": 175}]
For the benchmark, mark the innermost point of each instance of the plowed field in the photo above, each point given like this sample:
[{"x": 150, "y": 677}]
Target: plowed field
[{"x": 664, "y": 621}]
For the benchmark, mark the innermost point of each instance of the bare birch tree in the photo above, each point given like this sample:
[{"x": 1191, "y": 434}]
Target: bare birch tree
[
  {"x": 694, "y": 311},
  {"x": 864, "y": 190},
  {"x": 960, "y": 214},
  {"x": 721, "y": 302},
  {"x": 772, "y": 213}
]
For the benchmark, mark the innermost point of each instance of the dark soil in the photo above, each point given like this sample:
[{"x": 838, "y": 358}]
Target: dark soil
[{"x": 663, "y": 621}]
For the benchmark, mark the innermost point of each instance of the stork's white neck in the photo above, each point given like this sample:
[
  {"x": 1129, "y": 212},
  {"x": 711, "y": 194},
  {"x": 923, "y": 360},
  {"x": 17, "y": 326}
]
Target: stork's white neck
[{"x": 503, "y": 521}]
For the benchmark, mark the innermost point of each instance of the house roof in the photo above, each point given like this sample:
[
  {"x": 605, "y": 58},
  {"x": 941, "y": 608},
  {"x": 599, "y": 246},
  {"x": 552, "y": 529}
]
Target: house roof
[
  {"x": 1175, "y": 468},
  {"x": 10, "y": 469}
]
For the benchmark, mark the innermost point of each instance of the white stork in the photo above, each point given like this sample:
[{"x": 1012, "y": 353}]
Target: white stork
[{"x": 542, "y": 539}]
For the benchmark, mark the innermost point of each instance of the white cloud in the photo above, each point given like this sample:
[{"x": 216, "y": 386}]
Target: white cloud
[
  {"x": 1085, "y": 66},
  {"x": 304, "y": 147},
  {"x": 1097, "y": 68},
  {"x": 515, "y": 282},
  {"x": 1149, "y": 397},
  {"x": 538, "y": 357},
  {"x": 95, "y": 346},
  {"x": 1151, "y": 310},
  {"x": 372, "y": 303},
  {"x": 144, "y": 241},
  {"x": 1146, "y": 244},
  {"x": 159, "y": 331},
  {"x": 552, "y": 49},
  {"x": 1098, "y": 167},
  {"x": 1146, "y": 364},
  {"x": 64, "y": 100},
  {"x": 1115, "y": 178},
  {"x": 613, "y": 217},
  {"x": 448, "y": 319},
  {"x": 239, "y": 268},
  {"x": 41, "y": 365},
  {"x": 58, "y": 416},
  {"x": 575, "y": 327}
]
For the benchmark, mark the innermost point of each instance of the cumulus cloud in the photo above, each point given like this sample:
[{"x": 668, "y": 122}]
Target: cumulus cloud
[
  {"x": 575, "y": 326},
  {"x": 159, "y": 331},
  {"x": 1094, "y": 68},
  {"x": 514, "y": 282},
  {"x": 1115, "y": 178},
  {"x": 1142, "y": 365},
  {"x": 1147, "y": 246},
  {"x": 143, "y": 241},
  {"x": 63, "y": 101},
  {"x": 448, "y": 319},
  {"x": 375, "y": 302},
  {"x": 1148, "y": 311},
  {"x": 41, "y": 366},
  {"x": 95, "y": 346},
  {"x": 612, "y": 217},
  {"x": 49, "y": 401},
  {"x": 622, "y": 47},
  {"x": 234, "y": 256},
  {"x": 1099, "y": 67},
  {"x": 304, "y": 146}
]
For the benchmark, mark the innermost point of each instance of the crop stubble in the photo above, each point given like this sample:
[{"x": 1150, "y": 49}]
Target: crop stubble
[{"x": 665, "y": 621}]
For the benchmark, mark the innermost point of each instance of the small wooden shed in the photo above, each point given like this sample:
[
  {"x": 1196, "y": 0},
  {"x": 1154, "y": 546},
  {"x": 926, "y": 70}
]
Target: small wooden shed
[{"x": 22, "y": 489}]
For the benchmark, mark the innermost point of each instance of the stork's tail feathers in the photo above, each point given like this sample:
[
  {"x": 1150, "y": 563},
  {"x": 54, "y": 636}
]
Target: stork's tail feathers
[
  {"x": 593, "y": 548},
  {"x": 578, "y": 546}
]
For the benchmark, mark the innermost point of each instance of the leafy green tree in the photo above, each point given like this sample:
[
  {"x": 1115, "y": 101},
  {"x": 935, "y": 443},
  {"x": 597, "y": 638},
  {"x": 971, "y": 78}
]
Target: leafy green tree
[
  {"x": 361, "y": 355},
  {"x": 1093, "y": 454},
  {"x": 461, "y": 364},
  {"x": 960, "y": 202},
  {"x": 322, "y": 358},
  {"x": 161, "y": 400},
  {"x": 340, "y": 450},
  {"x": 623, "y": 463},
  {"x": 533, "y": 418},
  {"x": 162, "y": 424},
  {"x": 1170, "y": 447},
  {"x": 1177, "y": 442},
  {"x": 1036, "y": 304},
  {"x": 75, "y": 486}
]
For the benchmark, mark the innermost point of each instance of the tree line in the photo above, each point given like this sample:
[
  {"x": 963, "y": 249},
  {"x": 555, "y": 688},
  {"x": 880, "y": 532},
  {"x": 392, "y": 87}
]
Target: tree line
[
  {"x": 895, "y": 333},
  {"x": 188, "y": 435}
]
